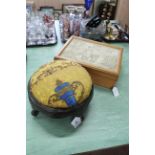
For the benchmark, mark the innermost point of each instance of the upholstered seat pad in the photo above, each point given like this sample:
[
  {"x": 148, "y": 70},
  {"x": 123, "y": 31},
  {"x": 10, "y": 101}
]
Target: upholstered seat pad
[{"x": 60, "y": 84}]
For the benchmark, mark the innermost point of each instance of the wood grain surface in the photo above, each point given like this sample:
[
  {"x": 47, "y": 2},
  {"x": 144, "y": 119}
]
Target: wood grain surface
[{"x": 101, "y": 76}]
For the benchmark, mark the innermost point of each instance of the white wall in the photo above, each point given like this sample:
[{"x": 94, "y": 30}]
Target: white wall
[{"x": 122, "y": 12}]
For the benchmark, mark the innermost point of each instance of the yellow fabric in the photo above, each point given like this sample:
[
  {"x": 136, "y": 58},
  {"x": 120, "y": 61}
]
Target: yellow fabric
[{"x": 44, "y": 82}]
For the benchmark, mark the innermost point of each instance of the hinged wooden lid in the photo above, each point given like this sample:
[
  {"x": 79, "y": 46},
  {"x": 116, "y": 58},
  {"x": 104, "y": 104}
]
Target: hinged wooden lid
[{"x": 99, "y": 56}]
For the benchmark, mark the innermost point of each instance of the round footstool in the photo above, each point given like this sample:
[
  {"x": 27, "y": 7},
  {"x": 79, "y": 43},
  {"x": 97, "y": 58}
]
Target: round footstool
[{"x": 59, "y": 89}]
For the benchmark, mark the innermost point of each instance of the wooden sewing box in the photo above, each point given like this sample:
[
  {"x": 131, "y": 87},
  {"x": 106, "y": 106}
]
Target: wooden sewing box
[{"x": 101, "y": 60}]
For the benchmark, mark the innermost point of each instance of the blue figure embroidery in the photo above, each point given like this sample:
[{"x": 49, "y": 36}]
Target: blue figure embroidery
[{"x": 66, "y": 93}]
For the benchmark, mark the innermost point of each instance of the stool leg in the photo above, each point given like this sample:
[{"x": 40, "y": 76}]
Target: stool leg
[{"x": 34, "y": 113}]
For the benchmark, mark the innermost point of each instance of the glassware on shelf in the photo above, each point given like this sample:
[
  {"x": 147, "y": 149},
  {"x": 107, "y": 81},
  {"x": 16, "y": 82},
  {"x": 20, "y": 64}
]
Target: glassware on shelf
[
  {"x": 64, "y": 27},
  {"x": 70, "y": 22},
  {"x": 40, "y": 29},
  {"x": 92, "y": 33}
]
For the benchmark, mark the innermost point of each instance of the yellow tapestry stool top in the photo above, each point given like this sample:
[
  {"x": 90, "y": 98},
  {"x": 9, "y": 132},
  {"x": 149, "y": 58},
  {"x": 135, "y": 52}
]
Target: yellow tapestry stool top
[{"x": 60, "y": 84}]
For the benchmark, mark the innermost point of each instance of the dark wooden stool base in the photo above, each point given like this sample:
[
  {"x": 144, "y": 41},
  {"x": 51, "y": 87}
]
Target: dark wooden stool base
[{"x": 76, "y": 111}]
